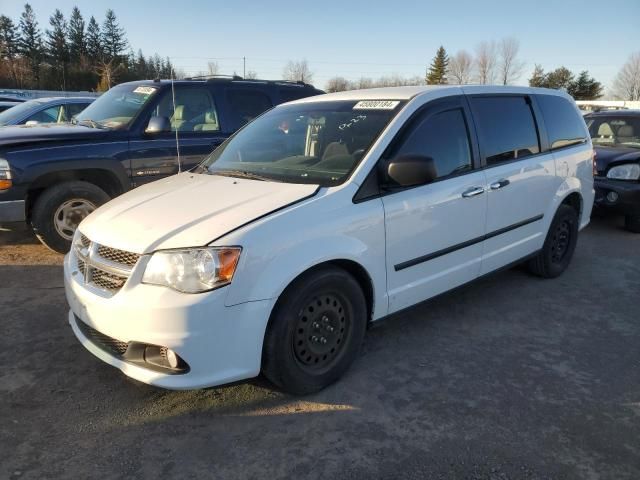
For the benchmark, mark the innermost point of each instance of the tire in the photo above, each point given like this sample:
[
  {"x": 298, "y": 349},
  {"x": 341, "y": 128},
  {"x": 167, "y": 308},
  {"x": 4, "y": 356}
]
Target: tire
[
  {"x": 559, "y": 246},
  {"x": 71, "y": 201},
  {"x": 325, "y": 303},
  {"x": 632, "y": 223}
]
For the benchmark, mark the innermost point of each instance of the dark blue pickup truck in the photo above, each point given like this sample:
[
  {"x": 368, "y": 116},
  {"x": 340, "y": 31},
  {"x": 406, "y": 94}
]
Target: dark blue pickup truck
[{"x": 53, "y": 176}]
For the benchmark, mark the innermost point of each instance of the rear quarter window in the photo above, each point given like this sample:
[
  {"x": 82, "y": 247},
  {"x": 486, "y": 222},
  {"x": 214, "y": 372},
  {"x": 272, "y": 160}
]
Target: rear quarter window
[
  {"x": 247, "y": 104},
  {"x": 565, "y": 126}
]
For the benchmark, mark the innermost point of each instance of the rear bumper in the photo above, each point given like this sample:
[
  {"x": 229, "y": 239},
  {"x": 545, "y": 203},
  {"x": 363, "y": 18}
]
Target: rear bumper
[
  {"x": 626, "y": 193},
  {"x": 12, "y": 211}
]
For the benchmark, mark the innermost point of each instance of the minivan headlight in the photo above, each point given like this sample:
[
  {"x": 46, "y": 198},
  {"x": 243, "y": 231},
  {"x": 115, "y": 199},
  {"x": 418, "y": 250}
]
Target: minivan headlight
[
  {"x": 628, "y": 171},
  {"x": 193, "y": 270}
]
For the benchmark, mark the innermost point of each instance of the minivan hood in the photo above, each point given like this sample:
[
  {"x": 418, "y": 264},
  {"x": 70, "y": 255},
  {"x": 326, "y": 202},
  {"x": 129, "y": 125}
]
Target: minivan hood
[{"x": 186, "y": 210}]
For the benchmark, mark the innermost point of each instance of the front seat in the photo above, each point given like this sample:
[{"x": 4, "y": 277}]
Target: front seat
[
  {"x": 210, "y": 122},
  {"x": 177, "y": 119},
  {"x": 605, "y": 134},
  {"x": 333, "y": 149},
  {"x": 626, "y": 134}
]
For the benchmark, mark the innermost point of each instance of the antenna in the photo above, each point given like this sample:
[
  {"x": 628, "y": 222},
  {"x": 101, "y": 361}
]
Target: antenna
[{"x": 173, "y": 94}]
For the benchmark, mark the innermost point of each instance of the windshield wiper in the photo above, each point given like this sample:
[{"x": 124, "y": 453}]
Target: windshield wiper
[
  {"x": 242, "y": 174},
  {"x": 92, "y": 123}
]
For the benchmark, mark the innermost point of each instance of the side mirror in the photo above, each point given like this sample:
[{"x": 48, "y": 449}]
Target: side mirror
[
  {"x": 411, "y": 170},
  {"x": 31, "y": 123},
  {"x": 158, "y": 125}
]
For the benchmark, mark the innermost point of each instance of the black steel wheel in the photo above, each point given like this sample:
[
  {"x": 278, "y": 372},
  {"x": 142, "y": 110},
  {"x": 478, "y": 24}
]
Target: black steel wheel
[
  {"x": 315, "y": 331},
  {"x": 559, "y": 245}
]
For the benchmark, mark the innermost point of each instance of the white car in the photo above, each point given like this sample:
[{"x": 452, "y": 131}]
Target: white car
[{"x": 323, "y": 215}]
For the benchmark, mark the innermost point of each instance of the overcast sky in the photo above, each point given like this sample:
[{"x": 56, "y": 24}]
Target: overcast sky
[{"x": 366, "y": 38}]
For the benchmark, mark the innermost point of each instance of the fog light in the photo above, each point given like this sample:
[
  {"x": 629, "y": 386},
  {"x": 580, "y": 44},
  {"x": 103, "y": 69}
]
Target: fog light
[
  {"x": 612, "y": 197},
  {"x": 172, "y": 358}
]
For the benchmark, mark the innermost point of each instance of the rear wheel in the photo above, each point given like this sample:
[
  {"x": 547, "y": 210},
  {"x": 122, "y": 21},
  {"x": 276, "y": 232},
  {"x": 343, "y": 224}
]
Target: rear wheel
[
  {"x": 558, "y": 248},
  {"x": 59, "y": 210},
  {"x": 632, "y": 223},
  {"x": 315, "y": 331}
]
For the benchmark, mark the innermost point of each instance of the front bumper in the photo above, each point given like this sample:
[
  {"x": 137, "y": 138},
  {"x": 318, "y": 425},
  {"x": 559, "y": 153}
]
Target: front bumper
[
  {"x": 626, "y": 193},
  {"x": 219, "y": 344},
  {"x": 12, "y": 211}
]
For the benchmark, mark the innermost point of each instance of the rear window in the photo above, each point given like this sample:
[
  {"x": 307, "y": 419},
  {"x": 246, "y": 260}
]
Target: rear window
[
  {"x": 506, "y": 128},
  {"x": 565, "y": 125},
  {"x": 247, "y": 104}
]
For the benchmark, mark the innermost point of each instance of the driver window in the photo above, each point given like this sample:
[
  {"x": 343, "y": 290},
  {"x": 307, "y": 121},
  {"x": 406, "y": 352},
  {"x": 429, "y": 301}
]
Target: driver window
[
  {"x": 194, "y": 110},
  {"x": 443, "y": 137},
  {"x": 50, "y": 115}
]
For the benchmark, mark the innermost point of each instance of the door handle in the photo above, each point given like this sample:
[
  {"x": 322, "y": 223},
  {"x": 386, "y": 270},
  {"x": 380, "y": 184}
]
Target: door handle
[
  {"x": 499, "y": 184},
  {"x": 472, "y": 192}
]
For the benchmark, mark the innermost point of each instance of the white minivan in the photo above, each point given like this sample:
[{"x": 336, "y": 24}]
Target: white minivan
[{"x": 319, "y": 217}]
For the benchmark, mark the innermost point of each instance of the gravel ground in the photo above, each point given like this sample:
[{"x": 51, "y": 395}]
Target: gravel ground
[{"x": 510, "y": 377}]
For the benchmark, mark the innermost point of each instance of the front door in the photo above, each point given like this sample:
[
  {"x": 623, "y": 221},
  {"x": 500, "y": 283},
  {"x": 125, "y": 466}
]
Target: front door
[
  {"x": 434, "y": 232},
  {"x": 195, "y": 121}
]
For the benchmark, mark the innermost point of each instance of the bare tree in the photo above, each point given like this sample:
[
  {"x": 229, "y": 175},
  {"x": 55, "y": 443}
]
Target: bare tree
[
  {"x": 509, "y": 67},
  {"x": 213, "y": 68},
  {"x": 486, "y": 62},
  {"x": 337, "y": 84},
  {"x": 626, "y": 85},
  {"x": 362, "y": 82},
  {"x": 297, "y": 71},
  {"x": 460, "y": 70},
  {"x": 251, "y": 75}
]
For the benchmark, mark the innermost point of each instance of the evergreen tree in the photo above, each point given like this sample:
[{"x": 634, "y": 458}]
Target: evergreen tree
[
  {"x": 113, "y": 36},
  {"x": 94, "y": 41},
  {"x": 9, "y": 43},
  {"x": 585, "y": 87},
  {"x": 77, "y": 39},
  {"x": 56, "y": 41},
  {"x": 538, "y": 78},
  {"x": 560, "y": 78},
  {"x": 30, "y": 44},
  {"x": 437, "y": 74}
]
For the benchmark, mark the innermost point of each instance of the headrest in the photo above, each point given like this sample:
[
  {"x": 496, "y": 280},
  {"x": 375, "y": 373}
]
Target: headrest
[
  {"x": 604, "y": 130},
  {"x": 210, "y": 117},
  {"x": 625, "y": 131},
  {"x": 178, "y": 114}
]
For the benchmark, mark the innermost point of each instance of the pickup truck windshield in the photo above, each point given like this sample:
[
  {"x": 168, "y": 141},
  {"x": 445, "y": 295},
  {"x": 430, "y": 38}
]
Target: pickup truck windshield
[
  {"x": 317, "y": 142},
  {"x": 117, "y": 107}
]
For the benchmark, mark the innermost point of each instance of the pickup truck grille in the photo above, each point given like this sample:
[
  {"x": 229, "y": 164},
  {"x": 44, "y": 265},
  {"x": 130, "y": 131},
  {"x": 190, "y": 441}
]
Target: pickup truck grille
[{"x": 102, "y": 267}]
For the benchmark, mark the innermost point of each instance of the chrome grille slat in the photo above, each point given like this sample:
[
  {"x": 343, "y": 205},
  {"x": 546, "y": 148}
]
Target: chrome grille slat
[{"x": 102, "y": 267}]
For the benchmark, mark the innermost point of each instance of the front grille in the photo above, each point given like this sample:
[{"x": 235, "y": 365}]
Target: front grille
[
  {"x": 118, "y": 256},
  {"x": 104, "y": 342},
  {"x": 107, "y": 281},
  {"x": 102, "y": 267}
]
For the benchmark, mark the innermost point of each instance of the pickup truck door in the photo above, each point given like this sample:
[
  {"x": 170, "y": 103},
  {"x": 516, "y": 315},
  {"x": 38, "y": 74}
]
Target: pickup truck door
[{"x": 196, "y": 121}]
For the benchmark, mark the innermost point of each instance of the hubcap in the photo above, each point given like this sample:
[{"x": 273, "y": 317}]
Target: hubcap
[
  {"x": 321, "y": 330},
  {"x": 560, "y": 241},
  {"x": 69, "y": 215}
]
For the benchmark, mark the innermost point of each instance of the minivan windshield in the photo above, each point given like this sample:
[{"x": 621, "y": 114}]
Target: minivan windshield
[
  {"x": 614, "y": 130},
  {"x": 316, "y": 142},
  {"x": 117, "y": 107},
  {"x": 14, "y": 114}
]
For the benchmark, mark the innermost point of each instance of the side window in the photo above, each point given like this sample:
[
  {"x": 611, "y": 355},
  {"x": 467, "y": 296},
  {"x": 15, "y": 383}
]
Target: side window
[
  {"x": 442, "y": 136},
  {"x": 506, "y": 128},
  {"x": 247, "y": 104},
  {"x": 194, "y": 110},
  {"x": 50, "y": 115},
  {"x": 564, "y": 124},
  {"x": 72, "y": 109}
]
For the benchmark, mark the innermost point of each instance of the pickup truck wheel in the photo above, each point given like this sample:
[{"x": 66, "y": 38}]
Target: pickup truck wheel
[
  {"x": 59, "y": 209},
  {"x": 558, "y": 248},
  {"x": 632, "y": 223},
  {"x": 315, "y": 331}
]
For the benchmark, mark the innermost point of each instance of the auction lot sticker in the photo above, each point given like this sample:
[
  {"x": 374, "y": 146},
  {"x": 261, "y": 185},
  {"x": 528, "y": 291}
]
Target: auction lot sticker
[
  {"x": 145, "y": 90},
  {"x": 376, "y": 105}
]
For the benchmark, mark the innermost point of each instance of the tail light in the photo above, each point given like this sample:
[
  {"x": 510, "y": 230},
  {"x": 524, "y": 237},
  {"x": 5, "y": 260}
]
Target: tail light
[{"x": 595, "y": 166}]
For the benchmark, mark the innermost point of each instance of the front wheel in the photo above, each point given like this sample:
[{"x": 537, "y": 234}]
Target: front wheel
[
  {"x": 315, "y": 331},
  {"x": 59, "y": 210},
  {"x": 558, "y": 248}
]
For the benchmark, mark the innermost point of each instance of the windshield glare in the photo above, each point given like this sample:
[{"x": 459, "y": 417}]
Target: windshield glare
[
  {"x": 117, "y": 107},
  {"x": 318, "y": 143},
  {"x": 615, "y": 130}
]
